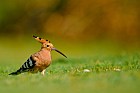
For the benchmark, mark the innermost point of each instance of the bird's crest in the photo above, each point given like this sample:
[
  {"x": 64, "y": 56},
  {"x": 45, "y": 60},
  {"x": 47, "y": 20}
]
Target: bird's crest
[{"x": 41, "y": 40}]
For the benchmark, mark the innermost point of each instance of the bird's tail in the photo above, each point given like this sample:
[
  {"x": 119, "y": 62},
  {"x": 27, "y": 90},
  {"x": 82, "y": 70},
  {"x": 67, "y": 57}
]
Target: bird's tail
[{"x": 19, "y": 71}]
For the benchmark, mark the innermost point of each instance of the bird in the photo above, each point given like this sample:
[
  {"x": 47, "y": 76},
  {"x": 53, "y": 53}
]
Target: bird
[{"x": 39, "y": 61}]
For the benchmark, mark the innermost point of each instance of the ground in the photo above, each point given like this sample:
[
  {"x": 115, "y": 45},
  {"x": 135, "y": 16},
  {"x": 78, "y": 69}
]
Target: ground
[{"x": 107, "y": 74}]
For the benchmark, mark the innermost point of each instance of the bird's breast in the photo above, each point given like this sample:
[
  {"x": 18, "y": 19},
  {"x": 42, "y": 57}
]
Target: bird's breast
[{"x": 43, "y": 60}]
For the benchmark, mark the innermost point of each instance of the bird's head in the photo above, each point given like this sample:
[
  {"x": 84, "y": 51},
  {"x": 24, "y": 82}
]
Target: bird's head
[{"x": 48, "y": 45}]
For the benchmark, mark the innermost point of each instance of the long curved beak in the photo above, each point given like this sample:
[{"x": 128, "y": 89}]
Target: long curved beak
[{"x": 59, "y": 52}]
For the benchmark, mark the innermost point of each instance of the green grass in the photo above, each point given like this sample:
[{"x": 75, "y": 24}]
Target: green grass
[
  {"x": 113, "y": 69},
  {"x": 68, "y": 76}
]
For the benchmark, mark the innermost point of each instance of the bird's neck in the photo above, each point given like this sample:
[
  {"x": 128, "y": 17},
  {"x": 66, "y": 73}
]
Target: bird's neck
[
  {"x": 45, "y": 54},
  {"x": 45, "y": 50}
]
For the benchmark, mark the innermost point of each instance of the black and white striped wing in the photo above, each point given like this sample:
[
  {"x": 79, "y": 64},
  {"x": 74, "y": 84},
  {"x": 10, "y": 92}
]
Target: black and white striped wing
[{"x": 29, "y": 64}]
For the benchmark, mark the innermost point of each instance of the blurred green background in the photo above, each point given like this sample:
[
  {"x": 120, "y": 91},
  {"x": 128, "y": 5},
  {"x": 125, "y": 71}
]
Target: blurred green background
[{"x": 78, "y": 28}]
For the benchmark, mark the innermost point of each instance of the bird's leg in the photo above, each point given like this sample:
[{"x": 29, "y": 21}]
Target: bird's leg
[{"x": 43, "y": 72}]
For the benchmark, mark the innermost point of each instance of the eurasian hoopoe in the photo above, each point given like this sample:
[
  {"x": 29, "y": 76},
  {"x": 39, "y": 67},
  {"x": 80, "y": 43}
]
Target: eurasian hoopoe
[{"x": 38, "y": 62}]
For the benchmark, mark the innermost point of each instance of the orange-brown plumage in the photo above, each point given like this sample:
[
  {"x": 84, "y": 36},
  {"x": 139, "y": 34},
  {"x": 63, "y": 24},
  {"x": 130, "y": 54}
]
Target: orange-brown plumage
[
  {"x": 38, "y": 62},
  {"x": 43, "y": 60}
]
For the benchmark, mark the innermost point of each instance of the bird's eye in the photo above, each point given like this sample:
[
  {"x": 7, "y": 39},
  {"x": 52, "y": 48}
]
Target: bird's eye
[{"x": 47, "y": 45}]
